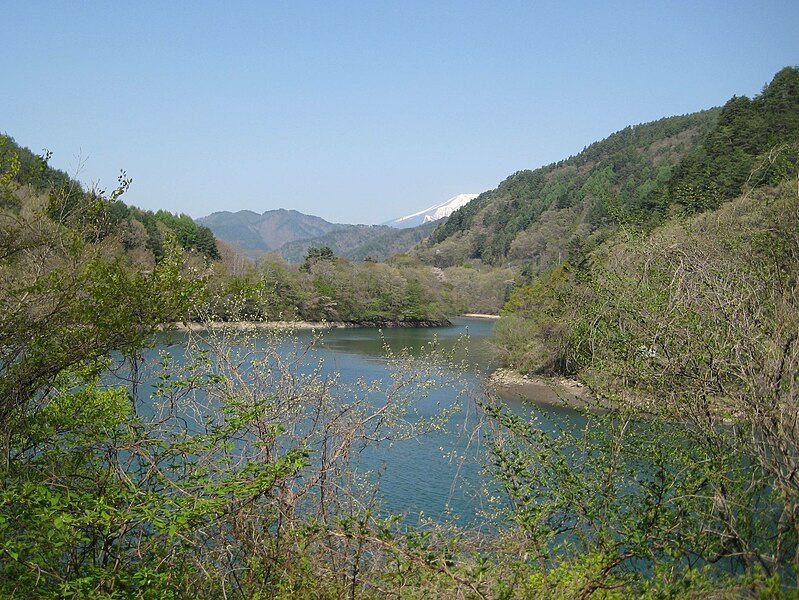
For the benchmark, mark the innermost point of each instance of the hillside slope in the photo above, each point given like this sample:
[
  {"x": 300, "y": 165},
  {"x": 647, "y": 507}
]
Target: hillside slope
[
  {"x": 534, "y": 217},
  {"x": 636, "y": 177},
  {"x": 361, "y": 242},
  {"x": 343, "y": 242}
]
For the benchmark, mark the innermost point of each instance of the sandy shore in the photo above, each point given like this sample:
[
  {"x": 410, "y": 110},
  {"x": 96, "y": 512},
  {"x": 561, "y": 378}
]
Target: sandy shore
[
  {"x": 255, "y": 325},
  {"x": 552, "y": 391},
  {"x": 480, "y": 316},
  {"x": 299, "y": 325}
]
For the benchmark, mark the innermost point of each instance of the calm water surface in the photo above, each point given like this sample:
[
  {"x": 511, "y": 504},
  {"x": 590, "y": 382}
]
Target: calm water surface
[{"x": 437, "y": 474}]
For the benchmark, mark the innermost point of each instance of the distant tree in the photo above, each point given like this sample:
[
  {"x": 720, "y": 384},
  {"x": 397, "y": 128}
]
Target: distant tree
[
  {"x": 314, "y": 255},
  {"x": 206, "y": 242}
]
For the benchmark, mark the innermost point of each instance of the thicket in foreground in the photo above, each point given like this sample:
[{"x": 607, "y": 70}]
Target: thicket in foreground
[{"x": 690, "y": 338}]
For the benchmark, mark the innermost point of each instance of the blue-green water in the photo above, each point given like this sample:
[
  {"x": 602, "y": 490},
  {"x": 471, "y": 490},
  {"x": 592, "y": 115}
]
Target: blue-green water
[{"x": 439, "y": 473}]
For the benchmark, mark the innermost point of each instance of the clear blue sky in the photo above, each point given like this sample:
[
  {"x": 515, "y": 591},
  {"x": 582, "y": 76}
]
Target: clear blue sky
[{"x": 359, "y": 112}]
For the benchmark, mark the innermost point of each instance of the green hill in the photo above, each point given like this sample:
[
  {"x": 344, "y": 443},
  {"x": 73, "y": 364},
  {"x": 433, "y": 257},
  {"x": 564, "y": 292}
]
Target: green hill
[
  {"x": 394, "y": 241},
  {"x": 343, "y": 241},
  {"x": 360, "y": 242},
  {"x": 27, "y": 180},
  {"x": 636, "y": 177},
  {"x": 535, "y": 217},
  {"x": 747, "y": 155}
]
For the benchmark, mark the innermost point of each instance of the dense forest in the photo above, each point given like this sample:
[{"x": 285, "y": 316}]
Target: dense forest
[{"x": 660, "y": 267}]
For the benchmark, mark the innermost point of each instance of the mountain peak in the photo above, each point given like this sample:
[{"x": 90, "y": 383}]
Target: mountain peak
[{"x": 434, "y": 213}]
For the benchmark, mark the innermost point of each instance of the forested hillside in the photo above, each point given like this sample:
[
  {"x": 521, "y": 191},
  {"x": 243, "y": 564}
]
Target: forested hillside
[
  {"x": 534, "y": 218},
  {"x": 395, "y": 241},
  {"x": 637, "y": 178},
  {"x": 28, "y": 180},
  {"x": 344, "y": 242},
  {"x": 360, "y": 242},
  {"x": 753, "y": 144}
]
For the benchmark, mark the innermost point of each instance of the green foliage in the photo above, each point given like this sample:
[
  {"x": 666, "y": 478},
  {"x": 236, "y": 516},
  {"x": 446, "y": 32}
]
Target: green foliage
[
  {"x": 329, "y": 288},
  {"x": 159, "y": 225},
  {"x": 625, "y": 169},
  {"x": 68, "y": 298},
  {"x": 217, "y": 487},
  {"x": 315, "y": 255},
  {"x": 688, "y": 336},
  {"x": 190, "y": 235},
  {"x": 601, "y": 504},
  {"x": 95, "y": 213},
  {"x": 20, "y": 166},
  {"x": 65, "y": 302},
  {"x": 754, "y": 143},
  {"x": 534, "y": 333}
]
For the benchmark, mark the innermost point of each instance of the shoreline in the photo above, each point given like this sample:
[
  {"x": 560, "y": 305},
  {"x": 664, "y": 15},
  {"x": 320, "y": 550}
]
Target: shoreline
[
  {"x": 301, "y": 325},
  {"x": 253, "y": 325},
  {"x": 550, "y": 391},
  {"x": 311, "y": 325}
]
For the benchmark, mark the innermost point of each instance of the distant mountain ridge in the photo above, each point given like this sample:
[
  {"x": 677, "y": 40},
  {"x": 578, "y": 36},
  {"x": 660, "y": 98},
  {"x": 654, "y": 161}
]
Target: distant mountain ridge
[
  {"x": 255, "y": 233},
  {"x": 290, "y": 233},
  {"x": 361, "y": 242},
  {"x": 343, "y": 242},
  {"x": 434, "y": 213}
]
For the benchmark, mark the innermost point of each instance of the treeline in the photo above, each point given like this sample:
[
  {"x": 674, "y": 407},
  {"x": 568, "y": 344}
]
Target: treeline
[
  {"x": 326, "y": 287},
  {"x": 753, "y": 144},
  {"x": 149, "y": 229},
  {"x": 20, "y": 164}
]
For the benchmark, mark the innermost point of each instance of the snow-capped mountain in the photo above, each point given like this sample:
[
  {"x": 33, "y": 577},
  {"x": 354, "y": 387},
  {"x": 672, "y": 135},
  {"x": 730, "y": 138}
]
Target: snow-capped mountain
[{"x": 439, "y": 211}]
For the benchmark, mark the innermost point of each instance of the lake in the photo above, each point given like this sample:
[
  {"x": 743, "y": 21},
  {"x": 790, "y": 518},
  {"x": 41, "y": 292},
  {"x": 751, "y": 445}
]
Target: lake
[{"x": 438, "y": 473}]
